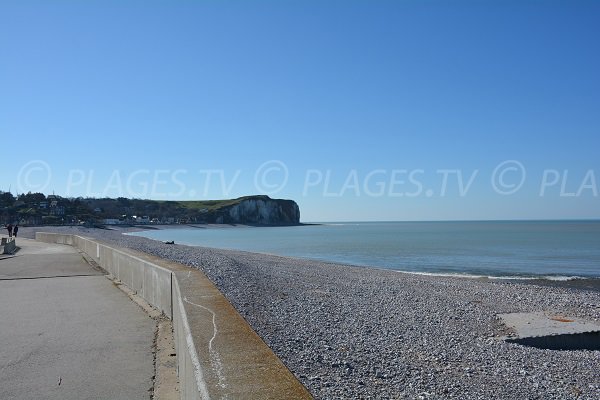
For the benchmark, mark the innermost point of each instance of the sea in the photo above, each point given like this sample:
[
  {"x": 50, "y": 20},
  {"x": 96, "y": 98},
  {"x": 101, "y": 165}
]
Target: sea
[{"x": 554, "y": 250}]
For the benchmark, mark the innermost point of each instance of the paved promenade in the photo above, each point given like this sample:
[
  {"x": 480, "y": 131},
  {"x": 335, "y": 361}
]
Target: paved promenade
[{"x": 66, "y": 332}]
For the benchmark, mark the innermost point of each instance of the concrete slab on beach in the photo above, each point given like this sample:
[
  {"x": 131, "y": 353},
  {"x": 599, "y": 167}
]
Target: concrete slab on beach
[
  {"x": 68, "y": 332},
  {"x": 544, "y": 324},
  {"x": 551, "y": 331}
]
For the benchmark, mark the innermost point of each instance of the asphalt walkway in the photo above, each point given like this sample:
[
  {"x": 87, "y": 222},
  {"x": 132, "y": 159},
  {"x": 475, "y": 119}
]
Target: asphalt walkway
[{"x": 66, "y": 332}]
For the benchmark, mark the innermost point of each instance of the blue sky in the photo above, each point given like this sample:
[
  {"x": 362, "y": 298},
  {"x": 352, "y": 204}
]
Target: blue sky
[{"x": 358, "y": 110}]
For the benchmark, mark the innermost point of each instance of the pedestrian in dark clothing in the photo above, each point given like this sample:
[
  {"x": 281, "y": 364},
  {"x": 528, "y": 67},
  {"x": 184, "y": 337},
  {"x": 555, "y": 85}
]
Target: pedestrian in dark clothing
[
  {"x": 15, "y": 230},
  {"x": 9, "y": 228}
]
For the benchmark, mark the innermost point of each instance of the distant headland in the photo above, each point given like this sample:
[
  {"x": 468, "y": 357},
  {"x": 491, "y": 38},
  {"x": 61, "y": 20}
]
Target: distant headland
[{"x": 39, "y": 209}]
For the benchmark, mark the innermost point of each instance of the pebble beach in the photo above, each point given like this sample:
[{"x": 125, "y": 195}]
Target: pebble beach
[{"x": 364, "y": 333}]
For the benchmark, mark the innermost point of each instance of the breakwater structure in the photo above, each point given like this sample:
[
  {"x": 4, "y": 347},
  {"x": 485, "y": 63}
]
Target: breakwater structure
[{"x": 218, "y": 354}]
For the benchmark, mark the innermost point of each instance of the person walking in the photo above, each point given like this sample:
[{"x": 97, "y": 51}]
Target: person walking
[
  {"x": 9, "y": 227},
  {"x": 15, "y": 230}
]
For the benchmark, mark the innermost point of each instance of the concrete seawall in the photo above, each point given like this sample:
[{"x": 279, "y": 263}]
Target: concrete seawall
[{"x": 218, "y": 353}]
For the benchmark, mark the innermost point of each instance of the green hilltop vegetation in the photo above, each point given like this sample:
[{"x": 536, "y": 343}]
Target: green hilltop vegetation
[
  {"x": 39, "y": 209},
  {"x": 211, "y": 205}
]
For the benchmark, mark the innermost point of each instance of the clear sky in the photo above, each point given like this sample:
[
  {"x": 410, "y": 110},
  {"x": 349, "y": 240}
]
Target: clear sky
[{"x": 358, "y": 110}]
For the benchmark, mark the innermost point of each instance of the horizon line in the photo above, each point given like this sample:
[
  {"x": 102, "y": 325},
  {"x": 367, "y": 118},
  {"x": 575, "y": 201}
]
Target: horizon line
[{"x": 597, "y": 219}]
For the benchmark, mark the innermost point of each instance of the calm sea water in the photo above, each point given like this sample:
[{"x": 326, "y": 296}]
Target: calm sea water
[{"x": 519, "y": 249}]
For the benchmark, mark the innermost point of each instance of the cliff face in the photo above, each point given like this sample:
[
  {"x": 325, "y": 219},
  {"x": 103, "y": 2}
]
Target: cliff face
[{"x": 260, "y": 210}]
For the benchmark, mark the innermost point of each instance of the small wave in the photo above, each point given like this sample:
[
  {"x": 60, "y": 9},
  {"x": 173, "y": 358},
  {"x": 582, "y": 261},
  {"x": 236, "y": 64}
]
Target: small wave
[
  {"x": 563, "y": 278},
  {"x": 541, "y": 277},
  {"x": 449, "y": 275},
  {"x": 494, "y": 277}
]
